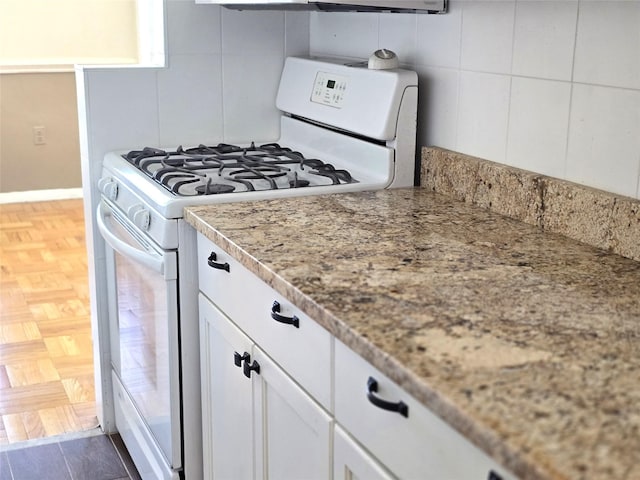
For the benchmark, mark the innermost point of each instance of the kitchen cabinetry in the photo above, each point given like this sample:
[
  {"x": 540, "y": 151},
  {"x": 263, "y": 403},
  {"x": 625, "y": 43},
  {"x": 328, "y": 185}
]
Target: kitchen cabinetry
[
  {"x": 264, "y": 416},
  {"x": 228, "y": 435},
  {"x": 258, "y": 422}
]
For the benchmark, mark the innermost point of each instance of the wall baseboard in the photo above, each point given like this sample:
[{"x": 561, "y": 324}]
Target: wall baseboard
[{"x": 40, "y": 195}]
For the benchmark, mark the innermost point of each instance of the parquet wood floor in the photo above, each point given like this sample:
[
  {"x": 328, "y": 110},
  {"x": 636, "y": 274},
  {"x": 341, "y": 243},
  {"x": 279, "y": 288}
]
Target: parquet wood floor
[{"x": 46, "y": 358}]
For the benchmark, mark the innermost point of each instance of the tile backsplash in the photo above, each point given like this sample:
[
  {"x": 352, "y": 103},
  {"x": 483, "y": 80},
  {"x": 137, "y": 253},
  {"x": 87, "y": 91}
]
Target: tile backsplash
[{"x": 551, "y": 86}]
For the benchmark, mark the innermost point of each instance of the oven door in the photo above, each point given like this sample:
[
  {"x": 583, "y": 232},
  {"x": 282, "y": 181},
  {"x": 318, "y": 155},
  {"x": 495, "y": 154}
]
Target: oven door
[{"x": 143, "y": 311}]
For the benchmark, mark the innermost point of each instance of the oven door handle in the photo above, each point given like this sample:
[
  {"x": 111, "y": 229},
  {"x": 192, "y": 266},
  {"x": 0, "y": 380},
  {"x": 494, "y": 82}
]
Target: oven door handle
[{"x": 148, "y": 258}]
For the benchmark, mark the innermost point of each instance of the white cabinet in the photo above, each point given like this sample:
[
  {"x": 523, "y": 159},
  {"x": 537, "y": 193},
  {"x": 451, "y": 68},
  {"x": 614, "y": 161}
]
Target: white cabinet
[
  {"x": 227, "y": 403},
  {"x": 258, "y": 424},
  {"x": 295, "y": 430}
]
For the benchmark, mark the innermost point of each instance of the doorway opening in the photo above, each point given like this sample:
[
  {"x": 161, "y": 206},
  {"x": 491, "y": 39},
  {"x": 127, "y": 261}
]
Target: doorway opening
[{"x": 46, "y": 357}]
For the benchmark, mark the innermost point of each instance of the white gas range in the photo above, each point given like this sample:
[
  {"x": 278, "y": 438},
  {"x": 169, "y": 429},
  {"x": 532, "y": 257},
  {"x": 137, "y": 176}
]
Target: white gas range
[{"x": 344, "y": 127}]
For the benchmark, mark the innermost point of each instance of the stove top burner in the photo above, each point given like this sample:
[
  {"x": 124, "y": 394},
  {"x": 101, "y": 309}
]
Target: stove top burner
[
  {"x": 212, "y": 170},
  {"x": 297, "y": 183},
  {"x": 209, "y": 189}
]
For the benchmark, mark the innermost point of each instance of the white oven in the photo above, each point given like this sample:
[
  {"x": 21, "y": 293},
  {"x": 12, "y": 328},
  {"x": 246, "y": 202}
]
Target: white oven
[
  {"x": 344, "y": 128},
  {"x": 143, "y": 325}
]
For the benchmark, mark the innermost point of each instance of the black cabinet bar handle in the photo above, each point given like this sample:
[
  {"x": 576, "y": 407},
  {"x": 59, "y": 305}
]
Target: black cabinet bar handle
[
  {"x": 238, "y": 359},
  {"x": 212, "y": 262},
  {"x": 255, "y": 366},
  {"x": 400, "y": 407},
  {"x": 494, "y": 476},
  {"x": 275, "y": 314}
]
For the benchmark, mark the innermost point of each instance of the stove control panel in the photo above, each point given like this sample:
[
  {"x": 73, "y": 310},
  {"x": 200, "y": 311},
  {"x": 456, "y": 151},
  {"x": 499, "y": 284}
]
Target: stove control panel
[
  {"x": 329, "y": 89},
  {"x": 348, "y": 96}
]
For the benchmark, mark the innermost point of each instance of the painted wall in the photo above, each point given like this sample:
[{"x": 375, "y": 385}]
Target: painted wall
[
  {"x": 38, "y": 99},
  {"x": 65, "y": 32},
  {"x": 39, "y": 43},
  {"x": 548, "y": 86}
]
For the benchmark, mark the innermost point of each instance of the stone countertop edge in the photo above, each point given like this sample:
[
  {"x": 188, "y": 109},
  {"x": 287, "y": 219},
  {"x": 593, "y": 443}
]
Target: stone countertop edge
[{"x": 595, "y": 217}]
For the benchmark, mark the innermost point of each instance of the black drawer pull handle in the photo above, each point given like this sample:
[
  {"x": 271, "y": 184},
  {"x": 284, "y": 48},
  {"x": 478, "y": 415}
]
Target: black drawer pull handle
[
  {"x": 212, "y": 262},
  {"x": 238, "y": 359},
  {"x": 400, "y": 407},
  {"x": 275, "y": 314},
  {"x": 255, "y": 366},
  {"x": 494, "y": 476}
]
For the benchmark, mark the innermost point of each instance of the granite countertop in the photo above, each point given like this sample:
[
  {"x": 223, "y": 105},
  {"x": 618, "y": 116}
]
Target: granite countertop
[{"x": 525, "y": 341}]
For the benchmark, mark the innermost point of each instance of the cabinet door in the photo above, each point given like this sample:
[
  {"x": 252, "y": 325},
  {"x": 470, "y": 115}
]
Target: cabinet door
[
  {"x": 295, "y": 430},
  {"x": 351, "y": 462},
  {"x": 226, "y": 398}
]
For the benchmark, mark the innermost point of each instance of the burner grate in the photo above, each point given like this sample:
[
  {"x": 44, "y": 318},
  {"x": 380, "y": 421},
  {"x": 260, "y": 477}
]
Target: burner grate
[{"x": 219, "y": 169}]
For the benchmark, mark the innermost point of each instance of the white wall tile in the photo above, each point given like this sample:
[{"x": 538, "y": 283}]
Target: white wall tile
[
  {"x": 538, "y": 125},
  {"x": 608, "y": 43},
  {"x": 344, "y": 34},
  {"x": 247, "y": 32},
  {"x": 439, "y": 38},
  {"x": 123, "y": 106},
  {"x": 296, "y": 34},
  {"x": 455, "y": 55},
  {"x": 487, "y": 35},
  {"x": 437, "y": 106},
  {"x": 397, "y": 32},
  {"x": 249, "y": 99},
  {"x": 604, "y": 140},
  {"x": 483, "y": 110},
  {"x": 190, "y": 100},
  {"x": 192, "y": 28},
  {"x": 544, "y": 38}
]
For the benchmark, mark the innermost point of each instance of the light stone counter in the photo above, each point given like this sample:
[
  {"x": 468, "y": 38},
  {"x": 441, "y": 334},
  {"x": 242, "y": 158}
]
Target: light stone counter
[{"x": 525, "y": 341}]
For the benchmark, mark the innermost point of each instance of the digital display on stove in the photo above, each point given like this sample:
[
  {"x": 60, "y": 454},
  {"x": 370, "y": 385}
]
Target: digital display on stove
[{"x": 329, "y": 89}]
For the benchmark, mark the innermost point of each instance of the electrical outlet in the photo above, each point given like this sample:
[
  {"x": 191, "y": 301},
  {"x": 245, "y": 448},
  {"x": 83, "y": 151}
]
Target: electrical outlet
[{"x": 38, "y": 136}]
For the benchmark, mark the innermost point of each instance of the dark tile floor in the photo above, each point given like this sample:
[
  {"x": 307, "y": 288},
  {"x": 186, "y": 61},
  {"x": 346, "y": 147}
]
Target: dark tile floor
[{"x": 98, "y": 457}]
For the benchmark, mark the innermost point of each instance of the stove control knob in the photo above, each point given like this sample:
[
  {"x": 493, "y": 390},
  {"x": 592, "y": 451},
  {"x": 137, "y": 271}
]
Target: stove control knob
[
  {"x": 109, "y": 187},
  {"x": 140, "y": 216},
  {"x": 142, "y": 219}
]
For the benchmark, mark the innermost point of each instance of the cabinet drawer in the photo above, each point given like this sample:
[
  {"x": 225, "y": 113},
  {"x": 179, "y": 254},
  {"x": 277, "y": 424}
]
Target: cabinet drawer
[
  {"x": 419, "y": 445},
  {"x": 303, "y": 349}
]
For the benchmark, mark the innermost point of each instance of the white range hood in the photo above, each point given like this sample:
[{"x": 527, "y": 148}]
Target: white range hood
[{"x": 420, "y": 6}]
